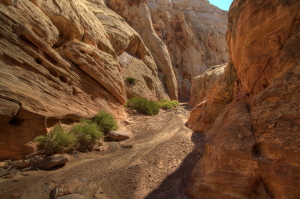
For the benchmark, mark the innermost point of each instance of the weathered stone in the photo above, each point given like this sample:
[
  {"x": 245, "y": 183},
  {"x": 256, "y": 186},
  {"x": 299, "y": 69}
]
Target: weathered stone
[
  {"x": 119, "y": 135},
  {"x": 54, "y": 160}
]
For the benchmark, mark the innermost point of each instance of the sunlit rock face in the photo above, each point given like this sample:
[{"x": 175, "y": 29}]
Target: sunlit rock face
[
  {"x": 251, "y": 116},
  {"x": 137, "y": 14},
  {"x": 62, "y": 60},
  {"x": 194, "y": 32}
]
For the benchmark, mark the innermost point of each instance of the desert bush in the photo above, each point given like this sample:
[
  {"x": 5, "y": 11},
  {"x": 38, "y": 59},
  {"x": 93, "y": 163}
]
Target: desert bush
[
  {"x": 143, "y": 105},
  {"x": 105, "y": 122},
  {"x": 175, "y": 103},
  {"x": 131, "y": 80},
  {"x": 56, "y": 141},
  {"x": 87, "y": 133},
  {"x": 165, "y": 104}
]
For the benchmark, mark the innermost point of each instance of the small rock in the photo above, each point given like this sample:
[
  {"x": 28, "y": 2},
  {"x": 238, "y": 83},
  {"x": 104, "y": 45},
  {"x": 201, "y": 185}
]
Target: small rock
[
  {"x": 128, "y": 122},
  {"x": 22, "y": 164},
  {"x": 96, "y": 147},
  {"x": 82, "y": 180},
  {"x": 3, "y": 164},
  {"x": 119, "y": 135},
  {"x": 103, "y": 148},
  {"x": 113, "y": 145},
  {"x": 54, "y": 160},
  {"x": 134, "y": 111},
  {"x": 8, "y": 171},
  {"x": 72, "y": 196},
  {"x": 74, "y": 153},
  {"x": 128, "y": 146},
  {"x": 56, "y": 192}
]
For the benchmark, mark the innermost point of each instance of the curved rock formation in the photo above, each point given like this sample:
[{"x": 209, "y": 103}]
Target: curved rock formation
[
  {"x": 62, "y": 60},
  {"x": 251, "y": 117},
  {"x": 137, "y": 14},
  {"x": 194, "y": 32}
]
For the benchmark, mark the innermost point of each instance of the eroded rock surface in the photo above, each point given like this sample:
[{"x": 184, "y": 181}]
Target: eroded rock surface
[
  {"x": 194, "y": 32},
  {"x": 138, "y": 15},
  {"x": 251, "y": 117},
  {"x": 62, "y": 60},
  {"x": 203, "y": 84}
]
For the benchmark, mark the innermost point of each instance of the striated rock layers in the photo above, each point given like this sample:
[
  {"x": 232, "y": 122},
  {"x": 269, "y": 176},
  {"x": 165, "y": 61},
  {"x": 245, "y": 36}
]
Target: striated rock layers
[
  {"x": 252, "y": 116},
  {"x": 62, "y": 60},
  {"x": 137, "y": 14},
  {"x": 194, "y": 32}
]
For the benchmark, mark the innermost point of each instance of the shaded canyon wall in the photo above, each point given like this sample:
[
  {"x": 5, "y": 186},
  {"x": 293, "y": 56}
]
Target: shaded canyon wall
[{"x": 251, "y": 116}]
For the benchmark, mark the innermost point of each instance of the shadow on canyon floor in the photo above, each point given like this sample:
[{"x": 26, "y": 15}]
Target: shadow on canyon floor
[{"x": 174, "y": 184}]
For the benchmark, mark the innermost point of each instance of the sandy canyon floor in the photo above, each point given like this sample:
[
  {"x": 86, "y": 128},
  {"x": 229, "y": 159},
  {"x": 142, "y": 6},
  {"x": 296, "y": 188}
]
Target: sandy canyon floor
[{"x": 158, "y": 165}]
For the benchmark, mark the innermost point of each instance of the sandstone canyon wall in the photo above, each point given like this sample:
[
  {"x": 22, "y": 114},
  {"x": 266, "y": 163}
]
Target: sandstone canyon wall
[
  {"x": 137, "y": 14},
  {"x": 194, "y": 32},
  {"x": 251, "y": 116},
  {"x": 62, "y": 60}
]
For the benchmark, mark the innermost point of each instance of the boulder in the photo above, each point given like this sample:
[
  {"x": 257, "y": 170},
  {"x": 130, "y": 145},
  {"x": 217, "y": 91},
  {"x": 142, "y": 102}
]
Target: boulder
[
  {"x": 119, "y": 135},
  {"x": 54, "y": 160}
]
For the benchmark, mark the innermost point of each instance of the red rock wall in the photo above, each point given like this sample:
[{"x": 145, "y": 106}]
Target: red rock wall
[{"x": 251, "y": 118}]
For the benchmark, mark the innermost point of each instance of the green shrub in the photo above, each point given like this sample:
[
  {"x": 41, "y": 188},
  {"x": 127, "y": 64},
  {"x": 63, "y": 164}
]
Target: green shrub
[
  {"x": 105, "y": 122},
  {"x": 87, "y": 133},
  {"x": 131, "y": 80},
  {"x": 143, "y": 105},
  {"x": 165, "y": 104},
  {"x": 56, "y": 141},
  {"x": 175, "y": 103}
]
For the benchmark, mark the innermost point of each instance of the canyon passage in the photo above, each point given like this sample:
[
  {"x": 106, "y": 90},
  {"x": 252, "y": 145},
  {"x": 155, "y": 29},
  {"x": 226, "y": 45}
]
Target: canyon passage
[{"x": 74, "y": 70}]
